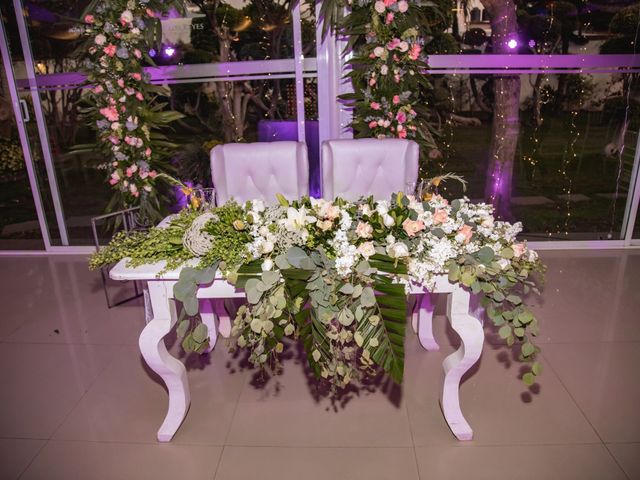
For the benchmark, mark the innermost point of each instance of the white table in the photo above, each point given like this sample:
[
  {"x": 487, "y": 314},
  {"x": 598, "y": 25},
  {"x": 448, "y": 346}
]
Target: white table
[{"x": 161, "y": 317}]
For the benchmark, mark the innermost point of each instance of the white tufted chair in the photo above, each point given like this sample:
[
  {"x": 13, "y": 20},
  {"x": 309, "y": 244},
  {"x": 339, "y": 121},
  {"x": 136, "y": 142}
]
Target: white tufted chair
[
  {"x": 368, "y": 166},
  {"x": 247, "y": 171}
]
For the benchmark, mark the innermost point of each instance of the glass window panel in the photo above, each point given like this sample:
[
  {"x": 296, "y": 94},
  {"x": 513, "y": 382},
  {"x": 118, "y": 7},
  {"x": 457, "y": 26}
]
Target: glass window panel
[
  {"x": 550, "y": 27},
  {"x": 565, "y": 167}
]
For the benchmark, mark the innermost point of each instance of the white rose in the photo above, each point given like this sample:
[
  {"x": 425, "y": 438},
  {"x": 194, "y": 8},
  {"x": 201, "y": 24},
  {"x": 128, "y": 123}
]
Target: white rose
[
  {"x": 267, "y": 265},
  {"x": 504, "y": 263},
  {"x": 403, "y": 46},
  {"x": 267, "y": 247},
  {"x": 365, "y": 209},
  {"x": 379, "y": 7},
  {"x": 487, "y": 222},
  {"x": 364, "y": 230},
  {"x": 378, "y": 51},
  {"x": 382, "y": 207},
  {"x": 388, "y": 221},
  {"x": 398, "y": 250},
  {"x": 366, "y": 249},
  {"x": 403, "y": 6},
  {"x": 257, "y": 206},
  {"x": 115, "y": 126},
  {"x": 126, "y": 16},
  {"x": 135, "y": 31},
  {"x": 384, "y": 70},
  {"x": 100, "y": 39}
]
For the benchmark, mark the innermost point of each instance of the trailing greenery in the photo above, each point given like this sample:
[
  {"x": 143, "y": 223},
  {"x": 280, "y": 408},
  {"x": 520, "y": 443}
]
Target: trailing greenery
[{"x": 335, "y": 275}]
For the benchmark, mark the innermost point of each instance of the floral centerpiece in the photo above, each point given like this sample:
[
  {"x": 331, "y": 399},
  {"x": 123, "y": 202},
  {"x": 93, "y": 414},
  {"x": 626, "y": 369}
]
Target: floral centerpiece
[{"x": 334, "y": 274}]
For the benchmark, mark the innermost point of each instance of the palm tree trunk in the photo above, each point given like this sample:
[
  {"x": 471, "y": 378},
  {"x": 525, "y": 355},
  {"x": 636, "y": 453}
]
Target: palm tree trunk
[{"x": 506, "y": 111}]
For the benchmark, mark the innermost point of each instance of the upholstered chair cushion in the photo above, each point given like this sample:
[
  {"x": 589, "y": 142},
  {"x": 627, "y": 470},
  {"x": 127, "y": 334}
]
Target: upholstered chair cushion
[
  {"x": 248, "y": 171},
  {"x": 368, "y": 166}
]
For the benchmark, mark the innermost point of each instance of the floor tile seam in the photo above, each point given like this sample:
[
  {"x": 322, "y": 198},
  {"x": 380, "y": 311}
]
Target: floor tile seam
[
  {"x": 218, "y": 463},
  {"x": 548, "y": 361},
  {"x": 235, "y": 408},
  {"x": 323, "y": 447},
  {"x": 131, "y": 442},
  {"x": 86, "y": 391},
  {"x": 73, "y": 344},
  {"x": 33, "y": 459},
  {"x": 413, "y": 441}
]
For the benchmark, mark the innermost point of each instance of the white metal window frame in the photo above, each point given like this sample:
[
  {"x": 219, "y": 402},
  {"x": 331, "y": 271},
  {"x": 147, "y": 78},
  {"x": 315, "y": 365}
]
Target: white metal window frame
[{"x": 334, "y": 118}]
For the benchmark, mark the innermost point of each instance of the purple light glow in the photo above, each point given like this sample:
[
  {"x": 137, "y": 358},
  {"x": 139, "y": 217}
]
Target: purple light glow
[
  {"x": 513, "y": 43},
  {"x": 169, "y": 51},
  {"x": 532, "y": 43}
]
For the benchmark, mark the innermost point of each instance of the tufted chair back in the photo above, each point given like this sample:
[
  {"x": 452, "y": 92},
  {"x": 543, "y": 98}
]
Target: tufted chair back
[
  {"x": 368, "y": 166},
  {"x": 248, "y": 171}
]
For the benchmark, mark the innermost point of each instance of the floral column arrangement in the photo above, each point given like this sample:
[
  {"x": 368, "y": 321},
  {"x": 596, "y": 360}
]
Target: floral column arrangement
[
  {"x": 387, "y": 70},
  {"x": 123, "y": 110}
]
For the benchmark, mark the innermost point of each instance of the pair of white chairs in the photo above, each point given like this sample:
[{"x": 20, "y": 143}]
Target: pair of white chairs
[{"x": 350, "y": 169}]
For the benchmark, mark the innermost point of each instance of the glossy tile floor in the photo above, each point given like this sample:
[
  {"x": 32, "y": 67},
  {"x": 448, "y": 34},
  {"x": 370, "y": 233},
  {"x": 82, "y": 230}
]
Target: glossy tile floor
[{"x": 76, "y": 400}]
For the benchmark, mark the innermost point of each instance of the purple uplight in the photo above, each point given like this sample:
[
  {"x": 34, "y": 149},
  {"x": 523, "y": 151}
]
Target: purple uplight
[
  {"x": 152, "y": 52},
  {"x": 513, "y": 43},
  {"x": 169, "y": 51},
  {"x": 532, "y": 43}
]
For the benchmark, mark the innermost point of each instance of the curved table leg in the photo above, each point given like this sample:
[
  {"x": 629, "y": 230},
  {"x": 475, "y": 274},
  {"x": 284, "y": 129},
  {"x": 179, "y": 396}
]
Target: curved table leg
[
  {"x": 458, "y": 363},
  {"x": 155, "y": 353},
  {"x": 209, "y": 318},
  {"x": 425, "y": 322},
  {"x": 221, "y": 309}
]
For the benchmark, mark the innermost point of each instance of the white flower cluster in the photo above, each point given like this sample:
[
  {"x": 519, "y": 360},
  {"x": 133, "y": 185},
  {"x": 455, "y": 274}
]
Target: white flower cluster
[{"x": 435, "y": 232}]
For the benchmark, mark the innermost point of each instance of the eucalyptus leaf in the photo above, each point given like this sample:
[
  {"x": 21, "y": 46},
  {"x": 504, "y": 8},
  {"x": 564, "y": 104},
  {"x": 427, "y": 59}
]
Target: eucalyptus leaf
[{"x": 368, "y": 297}]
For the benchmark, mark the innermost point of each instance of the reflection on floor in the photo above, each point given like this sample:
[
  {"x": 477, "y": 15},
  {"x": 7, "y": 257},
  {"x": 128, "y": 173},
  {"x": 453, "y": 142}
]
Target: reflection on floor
[{"x": 76, "y": 400}]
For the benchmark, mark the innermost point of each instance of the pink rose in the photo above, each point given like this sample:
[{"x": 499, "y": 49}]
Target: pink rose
[
  {"x": 379, "y": 7},
  {"x": 375, "y": 105},
  {"x": 440, "y": 216},
  {"x": 139, "y": 96},
  {"x": 465, "y": 232},
  {"x": 401, "y": 117},
  {"x": 396, "y": 78},
  {"x": 402, "y": 133},
  {"x": 98, "y": 89},
  {"x": 110, "y": 49},
  {"x": 153, "y": 174},
  {"x": 364, "y": 230},
  {"x": 518, "y": 249},
  {"x": 143, "y": 174},
  {"x": 366, "y": 249},
  {"x": 136, "y": 76},
  {"x": 89, "y": 19},
  {"x": 147, "y": 153},
  {"x": 388, "y": 3},
  {"x": 121, "y": 83},
  {"x": 396, "y": 99},
  {"x": 110, "y": 113},
  {"x": 373, "y": 124},
  {"x": 134, "y": 190},
  {"x": 115, "y": 178},
  {"x": 137, "y": 53},
  {"x": 412, "y": 226},
  {"x": 403, "y": 6},
  {"x": 389, "y": 18},
  {"x": 414, "y": 53},
  {"x": 403, "y": 46},
  {"x": 393, "y": 44},
  {"x": 150, "y": 13}
]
